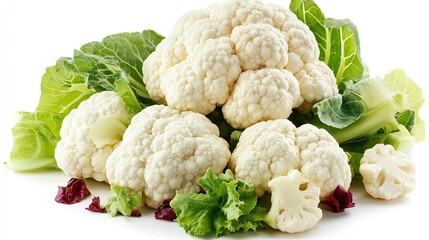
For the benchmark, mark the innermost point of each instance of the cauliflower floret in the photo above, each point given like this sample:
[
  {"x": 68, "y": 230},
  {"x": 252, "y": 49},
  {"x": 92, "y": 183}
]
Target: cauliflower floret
[
  {"x": 294, "y": 203},
  {"x": 308, "y": 134},
  {"x": 259, "y": 46},
  {"x": 152, "y": 69},
  {"x": 260, "y": 95},
  {"x": 238, "y": 12},
  {"x": 269, "y": 149},
  {"x": 281, "y": 15},
  {"x": 265, "y": 151},
  {"x": 302, "y": 45},
  {"x": 326, "y": 165},
  {"x": 203, "y": 30},
  {"x": 174, "y": 50},
  {"x": 209, "y": 49},
  {"x": 164, "y": 150},
  {"x": 193, "y": 85},
  {"x": 85, "y": 144},
  {"x": 387, "y": 173},
  {"x": 312, "y": 77}
]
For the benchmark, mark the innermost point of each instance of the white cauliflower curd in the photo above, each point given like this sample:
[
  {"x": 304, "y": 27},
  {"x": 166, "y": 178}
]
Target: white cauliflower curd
[
  {"x": 294, "y": 203},
  {"x": 256, "y": 60},
  {"x": 164, "y": 150},
  {"x": 270, "y": 149},
  {"x": 387, "y": 173},
  {"x": 90, "y": 133}
]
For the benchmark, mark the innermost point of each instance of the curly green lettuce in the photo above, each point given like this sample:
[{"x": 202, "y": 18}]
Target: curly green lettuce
[{"x": 227, "y": 205}]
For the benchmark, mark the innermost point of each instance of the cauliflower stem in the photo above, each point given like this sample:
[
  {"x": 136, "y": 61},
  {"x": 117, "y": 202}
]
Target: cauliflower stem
[{"x": 294, "y": 203}]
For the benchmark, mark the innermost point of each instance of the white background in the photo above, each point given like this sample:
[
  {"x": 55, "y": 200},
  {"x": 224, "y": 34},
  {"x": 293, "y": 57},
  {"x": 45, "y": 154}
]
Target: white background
[{"x": 35, "y": 33}]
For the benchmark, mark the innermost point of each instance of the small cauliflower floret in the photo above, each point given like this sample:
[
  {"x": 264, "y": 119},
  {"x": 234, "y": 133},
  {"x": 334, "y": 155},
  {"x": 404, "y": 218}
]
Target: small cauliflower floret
[
  {"x": 326, "y": 165},
  {"x": 188, "y": 19},
  {"x": 302, "y": 45},
  {"x": 323, "y": 161},
  {"x": 205, "y": 80},
  {"x": 152, "y": 71},
  {"x": 307, "y": 134},
  {"x": 266, "y": 150},
  {"x": 201, "y": 31},
  {"x": 270, "y": 149},
  {"x": 234, "y": 13},
  {"x": 294, "y": 203},
  {"x": 281, "y": 15},
  {"x": 316, "y": 82},
  {"x": 261, "y": 95},
  {"x": 200, "y": 63},
  {"x": 164, "y": 150},
  {"x": 387, "y": 173},
  {"x": 90, "y": 133},
  {"x": 259, "y": 46}
]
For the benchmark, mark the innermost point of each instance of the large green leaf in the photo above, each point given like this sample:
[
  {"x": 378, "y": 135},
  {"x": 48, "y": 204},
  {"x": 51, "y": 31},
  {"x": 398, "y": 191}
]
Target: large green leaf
[
  {"x": 125, "y": 49},
  {"x": 402, "y": 82},
  {"x": 35, "y": 137},
  {"x": 341, "y": 110},
  {"x": 96, "y": 67},
  {"x": 63, "y": 88}
]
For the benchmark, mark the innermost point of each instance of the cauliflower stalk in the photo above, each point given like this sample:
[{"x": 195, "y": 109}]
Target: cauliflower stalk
[
  {"x": 90, "y": 133},
  {"x": 256, "y": 60},
  {"x": 294, "y": 203},
  {"x": 164, "y": 150},
  {"x": 271, "y": 149},
  {"x": 387, "y": 173}
]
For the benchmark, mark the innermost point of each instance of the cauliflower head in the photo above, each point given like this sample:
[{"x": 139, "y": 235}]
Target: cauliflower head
[
  {"x": 239, "y": 54},
  {"x": 387, "y": 173},
  {"x": 270, "y": 149},
  {"x": 85, "y": 144},
  {"x": 294, "y": 203},
  {"x": 164, "y": 150}
]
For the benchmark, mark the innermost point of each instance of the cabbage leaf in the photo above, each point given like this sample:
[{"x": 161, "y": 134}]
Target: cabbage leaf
[{"x": 96, "y": 67}]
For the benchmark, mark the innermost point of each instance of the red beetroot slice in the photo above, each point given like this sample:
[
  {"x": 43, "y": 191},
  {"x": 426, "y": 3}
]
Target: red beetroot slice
[
  {"x": 339, "y": 200},
  {"x": 75, "y": 191},
  {"x": 95, "y": 206},
  {"x": 165, "y": 211}
]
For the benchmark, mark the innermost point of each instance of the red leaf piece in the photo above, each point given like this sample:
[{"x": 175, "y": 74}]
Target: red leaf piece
[
  {"x": 95, "y": 206},
  {"x": 75, "y": 191},
  {"x": 135, "y": 213},
  {"x": 339, "y": 200},
  {"x": 165, "y": 211}
]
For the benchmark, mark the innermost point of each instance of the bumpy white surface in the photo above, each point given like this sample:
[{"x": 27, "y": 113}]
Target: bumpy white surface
[
  {"x": 164, "y": 150},
  {"x": 270, "y": 149},
  {"x": 76, "y": 153},
  {"x": 200, "y": 63}
]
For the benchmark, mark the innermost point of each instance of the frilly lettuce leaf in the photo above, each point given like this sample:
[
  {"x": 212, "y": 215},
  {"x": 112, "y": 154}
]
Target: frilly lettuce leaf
[
  {"x": 123, "y": 202},
  {"x": 228, "y": 205}
]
